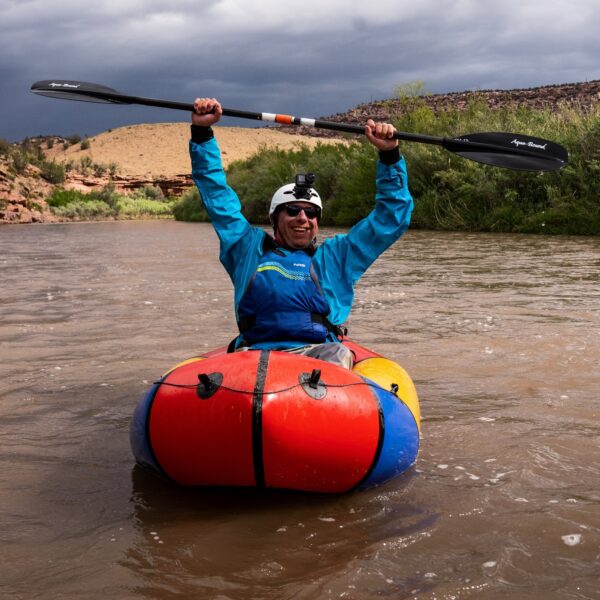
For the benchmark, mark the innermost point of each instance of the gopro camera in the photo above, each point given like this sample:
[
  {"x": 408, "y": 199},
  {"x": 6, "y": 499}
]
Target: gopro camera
[{"x": 304, "y": 181}]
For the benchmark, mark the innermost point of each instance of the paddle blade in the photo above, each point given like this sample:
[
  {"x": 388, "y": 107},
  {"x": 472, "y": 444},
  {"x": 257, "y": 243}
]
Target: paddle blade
[
  {"x": 510, "y": 150},
  {"x": 77, "y": 90}
]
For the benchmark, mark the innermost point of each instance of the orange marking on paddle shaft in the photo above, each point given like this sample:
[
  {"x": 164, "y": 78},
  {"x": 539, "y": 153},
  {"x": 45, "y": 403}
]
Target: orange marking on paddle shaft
[{"x": 286, "y": 119}]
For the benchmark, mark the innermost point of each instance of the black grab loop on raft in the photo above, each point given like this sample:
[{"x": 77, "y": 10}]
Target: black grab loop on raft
[
  {"x": 209, "y": 384},
  {"x": 313, "y": 386}
]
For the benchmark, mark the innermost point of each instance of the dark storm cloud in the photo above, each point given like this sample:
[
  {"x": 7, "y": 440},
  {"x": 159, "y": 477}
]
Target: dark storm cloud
[{"x": 306, "y": 58}]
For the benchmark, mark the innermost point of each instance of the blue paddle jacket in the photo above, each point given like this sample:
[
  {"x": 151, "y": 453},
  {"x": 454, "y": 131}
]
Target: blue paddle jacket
[
  {"x": 338, "y": 262},
  {"x": 283, "y": 302}
]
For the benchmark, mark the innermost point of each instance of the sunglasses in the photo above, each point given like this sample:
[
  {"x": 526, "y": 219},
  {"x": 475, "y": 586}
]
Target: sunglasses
[{"x": 311, "y": 212}]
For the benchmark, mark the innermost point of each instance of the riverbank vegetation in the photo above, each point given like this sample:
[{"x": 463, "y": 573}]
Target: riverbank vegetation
[
  {"x": 71, "y": 205},
  {"x": 451, "y": 193}
]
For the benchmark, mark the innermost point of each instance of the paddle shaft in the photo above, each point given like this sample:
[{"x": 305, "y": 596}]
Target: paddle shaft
[{"x": 513, "y": 151}]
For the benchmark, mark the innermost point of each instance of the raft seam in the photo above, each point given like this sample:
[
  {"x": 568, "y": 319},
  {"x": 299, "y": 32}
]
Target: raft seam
[
  {"x": 379, "y": 447},
  {"x": 147, "y": 430},
  {"x": 257, "y": 402}
]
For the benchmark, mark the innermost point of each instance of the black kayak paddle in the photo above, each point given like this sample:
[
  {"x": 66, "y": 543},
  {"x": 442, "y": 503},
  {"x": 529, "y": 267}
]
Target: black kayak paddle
[{"x": 508, "y": 150}]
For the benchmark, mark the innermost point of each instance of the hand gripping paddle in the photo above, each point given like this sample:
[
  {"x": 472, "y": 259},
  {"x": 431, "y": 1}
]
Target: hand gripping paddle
[{"x": 509, "y": 150}]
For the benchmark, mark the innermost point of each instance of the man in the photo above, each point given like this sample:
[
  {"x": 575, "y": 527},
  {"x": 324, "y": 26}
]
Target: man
[{"x": 290, "y": 293}]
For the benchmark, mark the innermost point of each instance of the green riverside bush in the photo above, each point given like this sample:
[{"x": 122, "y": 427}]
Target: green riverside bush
[
  {"x": 60, "y": 197},
  {"x": 81, "y": 210},
  {"x": 139, "y": 207},
  {"x": 53, "y": 172},
  {"x": 106, "y": 203},
  {"x": 189, "y": 207}
]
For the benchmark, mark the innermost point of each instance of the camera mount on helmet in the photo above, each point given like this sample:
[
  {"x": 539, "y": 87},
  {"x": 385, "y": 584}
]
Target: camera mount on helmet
[{"x": 303, "y": 185}]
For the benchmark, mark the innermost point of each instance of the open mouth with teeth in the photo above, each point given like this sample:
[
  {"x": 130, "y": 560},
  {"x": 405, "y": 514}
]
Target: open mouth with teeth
[{"x": 296, "y": 231}]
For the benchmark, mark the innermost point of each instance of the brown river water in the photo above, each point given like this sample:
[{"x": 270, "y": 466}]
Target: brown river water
[{"x": 500, "y": 333}]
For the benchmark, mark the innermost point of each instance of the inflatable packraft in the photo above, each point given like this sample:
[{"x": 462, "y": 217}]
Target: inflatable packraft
[{"x": 274, "y": 419}]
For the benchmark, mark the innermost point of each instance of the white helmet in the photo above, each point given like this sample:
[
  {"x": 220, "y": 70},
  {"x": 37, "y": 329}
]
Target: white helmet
[{"x": 290, "y": 193}]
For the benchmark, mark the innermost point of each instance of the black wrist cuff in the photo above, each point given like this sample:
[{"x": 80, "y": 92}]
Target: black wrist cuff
[
  {"x": 390, "y": 157},
  {"x": 201, "y": 134}
]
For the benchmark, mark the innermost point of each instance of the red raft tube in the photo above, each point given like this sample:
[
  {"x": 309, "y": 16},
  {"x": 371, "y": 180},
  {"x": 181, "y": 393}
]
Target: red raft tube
[{"x": 273, "y": 419}]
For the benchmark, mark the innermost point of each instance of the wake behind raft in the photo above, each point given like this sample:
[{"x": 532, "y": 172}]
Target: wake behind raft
[{"x": 274, "y": 419}]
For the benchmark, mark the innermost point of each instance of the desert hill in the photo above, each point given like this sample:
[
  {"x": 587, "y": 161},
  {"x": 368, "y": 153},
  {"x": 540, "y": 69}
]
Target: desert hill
[
  {"x": 161, "y": 150},
  {"x": 157, "y": 154}
]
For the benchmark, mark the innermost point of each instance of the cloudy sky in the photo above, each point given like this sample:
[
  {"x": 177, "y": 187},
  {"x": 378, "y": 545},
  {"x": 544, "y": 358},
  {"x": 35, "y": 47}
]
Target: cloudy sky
[{"x": 309, "y": 58}]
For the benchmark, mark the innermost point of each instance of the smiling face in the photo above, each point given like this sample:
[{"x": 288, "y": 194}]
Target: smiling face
[{"x": 296, "y": 232}]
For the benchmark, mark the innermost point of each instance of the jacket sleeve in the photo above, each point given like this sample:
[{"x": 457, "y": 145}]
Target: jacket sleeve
[
  {"x": 240, "y": 242},
  {"x": 340, "y": 261}
]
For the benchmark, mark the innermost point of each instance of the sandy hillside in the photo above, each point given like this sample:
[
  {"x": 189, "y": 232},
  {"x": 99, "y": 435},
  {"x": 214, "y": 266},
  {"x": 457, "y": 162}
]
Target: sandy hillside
[{"x": 161, "y": 150}]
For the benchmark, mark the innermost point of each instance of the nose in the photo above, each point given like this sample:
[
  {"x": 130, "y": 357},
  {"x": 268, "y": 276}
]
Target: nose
[{"x": 301, "y": 216}]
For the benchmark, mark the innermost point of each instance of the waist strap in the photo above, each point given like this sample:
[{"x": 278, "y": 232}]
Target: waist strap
[
  {"x": 246, "y": 323},
  {"x": 338, "y": 330}
]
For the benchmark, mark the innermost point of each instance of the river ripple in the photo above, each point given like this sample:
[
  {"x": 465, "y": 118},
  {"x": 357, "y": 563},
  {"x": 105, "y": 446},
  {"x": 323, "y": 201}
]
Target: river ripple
[{"x": 500, "y": 333}]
